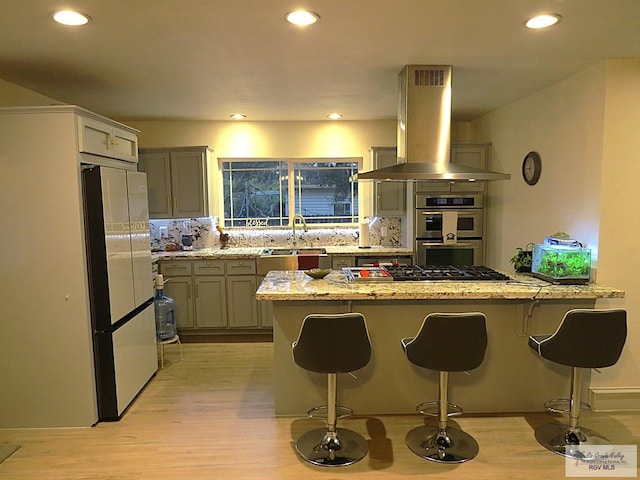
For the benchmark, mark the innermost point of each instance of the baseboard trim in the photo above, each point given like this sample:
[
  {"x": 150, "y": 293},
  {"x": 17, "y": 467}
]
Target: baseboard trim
[
  {"x": 210, "y": 337},
  {"x": 609, "y": 399}
]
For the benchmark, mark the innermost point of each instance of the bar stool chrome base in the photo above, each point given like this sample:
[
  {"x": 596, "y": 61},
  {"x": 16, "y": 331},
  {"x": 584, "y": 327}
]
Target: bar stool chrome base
[
  {"x": 332, "y": 449},
  {"x": 442, "y": 446},
  {"x": 564, "y": 440}
]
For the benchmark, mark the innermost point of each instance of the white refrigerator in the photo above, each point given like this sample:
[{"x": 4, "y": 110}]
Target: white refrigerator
[{"x": 120, "y": 291}]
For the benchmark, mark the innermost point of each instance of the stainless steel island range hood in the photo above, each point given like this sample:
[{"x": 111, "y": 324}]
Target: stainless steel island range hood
[{"x": 424, "y": 126}]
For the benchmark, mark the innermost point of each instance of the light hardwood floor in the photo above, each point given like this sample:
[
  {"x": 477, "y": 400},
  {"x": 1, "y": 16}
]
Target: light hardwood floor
[{"x": 210, "y": 416}]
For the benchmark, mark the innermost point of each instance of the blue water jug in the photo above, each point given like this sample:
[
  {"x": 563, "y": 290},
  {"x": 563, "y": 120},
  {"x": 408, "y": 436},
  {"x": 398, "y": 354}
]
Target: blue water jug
[{"x": 165, "y": 313}]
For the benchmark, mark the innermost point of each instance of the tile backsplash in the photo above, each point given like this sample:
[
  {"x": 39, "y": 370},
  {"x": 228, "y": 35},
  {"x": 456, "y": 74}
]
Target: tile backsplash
[
  {"x": 171, "y": 231},
  {"x": 205, "y": 234}
]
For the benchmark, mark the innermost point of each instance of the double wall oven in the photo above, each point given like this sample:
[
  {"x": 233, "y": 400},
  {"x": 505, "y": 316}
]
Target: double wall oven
[{"x": 449, "y": 229}]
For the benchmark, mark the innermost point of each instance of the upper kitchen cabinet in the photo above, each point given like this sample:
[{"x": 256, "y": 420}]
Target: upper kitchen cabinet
[
  {"x": 177, "y": 180},
  {"x": 474, "y": 155},
  {"x": 389, "y": 198},
  {"x": 107, "y": 140}
]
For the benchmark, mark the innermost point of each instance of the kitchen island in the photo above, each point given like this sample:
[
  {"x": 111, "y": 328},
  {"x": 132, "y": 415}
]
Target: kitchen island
[{"x": 512, "y": 378}]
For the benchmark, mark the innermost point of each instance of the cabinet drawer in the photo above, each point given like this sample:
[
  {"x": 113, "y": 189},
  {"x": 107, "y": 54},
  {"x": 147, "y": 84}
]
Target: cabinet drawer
[
  {"x": 340, "y": 262},
  {"x": 209, "y": 267},
  {"x": 176, "y": 267},
  {"x": 105, "y": 140},
  {"x": 241, "y": 267}
]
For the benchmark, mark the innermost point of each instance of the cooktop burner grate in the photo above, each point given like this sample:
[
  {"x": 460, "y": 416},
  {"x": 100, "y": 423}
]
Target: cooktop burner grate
[{"x": 444, "y": 272}]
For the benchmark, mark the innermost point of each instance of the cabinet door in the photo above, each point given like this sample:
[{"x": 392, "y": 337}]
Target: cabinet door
[
  {"x": 124, "y": 145},
  {"x": 265, "y": 309},
  {"x": 180, "y": 289},
  {"x": 241, "y": 301},
  {"x": 211, "y": 308},
  {"x": 188, "y": 184},
  {"x": 106, "y": 140},
  {"x": 157, "y": 166},
  {"x": 389, "y": 197},
  {"x": 95, "y": 137},
  {"x": 472, "y": 156}
]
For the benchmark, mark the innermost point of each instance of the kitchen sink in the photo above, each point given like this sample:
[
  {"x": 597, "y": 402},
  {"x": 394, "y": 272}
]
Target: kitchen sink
[
  {"x": 287, "y": 259},
  {"x": 311, "y": 251},
  {"x": 269, "y": 252}
]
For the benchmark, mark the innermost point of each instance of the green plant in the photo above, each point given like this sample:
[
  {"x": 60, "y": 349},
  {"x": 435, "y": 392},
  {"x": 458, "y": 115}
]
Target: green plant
[{"x": 522, "y": 259}]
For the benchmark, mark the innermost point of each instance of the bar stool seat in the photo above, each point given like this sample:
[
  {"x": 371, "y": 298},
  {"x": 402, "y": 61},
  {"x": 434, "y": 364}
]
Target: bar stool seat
[
  {"x": 446, "y": 342},
  {"x": 586, "y": 338},
  {"x": 332, "y": 344}
]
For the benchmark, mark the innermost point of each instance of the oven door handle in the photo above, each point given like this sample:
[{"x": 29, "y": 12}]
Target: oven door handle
[
  {"x": 430, "y": 213},
  {"x": 442, "y": 244}
]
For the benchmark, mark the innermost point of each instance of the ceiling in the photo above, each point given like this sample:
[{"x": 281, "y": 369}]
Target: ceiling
[{"x": 207, "y": 59}]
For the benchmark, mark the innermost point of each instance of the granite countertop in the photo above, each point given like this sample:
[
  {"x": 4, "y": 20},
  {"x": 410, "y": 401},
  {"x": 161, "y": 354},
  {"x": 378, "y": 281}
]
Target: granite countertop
[
  {"x": 295, "y": 285},
  {"x": 253, "y": 252}
]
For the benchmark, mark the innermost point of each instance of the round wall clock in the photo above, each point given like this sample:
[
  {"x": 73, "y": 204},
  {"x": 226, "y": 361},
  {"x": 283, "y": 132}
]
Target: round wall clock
[{"x": 531, "y": 168}]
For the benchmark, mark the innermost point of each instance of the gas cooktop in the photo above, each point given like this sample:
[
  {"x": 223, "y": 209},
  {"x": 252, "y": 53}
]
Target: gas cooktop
[{"x": 444, "y": 272}]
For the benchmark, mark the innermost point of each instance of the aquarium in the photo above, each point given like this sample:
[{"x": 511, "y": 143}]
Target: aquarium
[{"x": 561, "y": 263}]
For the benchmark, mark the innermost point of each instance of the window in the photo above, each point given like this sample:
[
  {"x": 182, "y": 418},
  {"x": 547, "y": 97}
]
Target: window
[{"x": 260, "y": 192}]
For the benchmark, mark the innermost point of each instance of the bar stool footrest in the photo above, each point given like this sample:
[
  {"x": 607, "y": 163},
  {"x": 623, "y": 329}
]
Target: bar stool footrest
[
  {"x": 321, "y": 411},
  {"x": 562, "y": 405},
  {"x": 430, "y": 408}
]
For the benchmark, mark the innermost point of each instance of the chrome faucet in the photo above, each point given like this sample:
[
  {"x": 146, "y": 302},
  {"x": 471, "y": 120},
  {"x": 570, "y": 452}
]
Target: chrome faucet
[{"x": 297, "y": 216}]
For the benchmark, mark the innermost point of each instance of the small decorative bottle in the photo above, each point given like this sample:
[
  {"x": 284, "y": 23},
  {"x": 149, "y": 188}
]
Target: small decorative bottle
[{"x": 164, "y": 309}]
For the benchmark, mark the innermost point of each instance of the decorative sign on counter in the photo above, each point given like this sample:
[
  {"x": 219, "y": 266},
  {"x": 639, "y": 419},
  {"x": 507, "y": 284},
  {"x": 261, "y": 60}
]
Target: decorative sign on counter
[{"x": 367, "y": 274}]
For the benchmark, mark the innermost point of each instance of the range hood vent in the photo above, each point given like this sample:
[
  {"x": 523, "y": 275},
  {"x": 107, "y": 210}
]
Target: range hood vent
[{"x": 424, "y": 127}]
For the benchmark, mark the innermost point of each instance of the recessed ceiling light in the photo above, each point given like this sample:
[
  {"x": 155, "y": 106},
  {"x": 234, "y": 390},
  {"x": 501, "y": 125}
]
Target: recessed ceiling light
[
  {"x": 302, "y": 18},
  {"x": 71, "y": 18},
  {"x": 334, "y": 116},
  {"x": 237, "y": 116},
  {"x": 543, "y": 21}
]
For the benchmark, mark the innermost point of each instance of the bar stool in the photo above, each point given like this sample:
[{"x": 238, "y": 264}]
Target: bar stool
[
  {"x": 586, "y": 338},
  {"x": 446, "y": 342},
  {"x": 332, "y": 344}
]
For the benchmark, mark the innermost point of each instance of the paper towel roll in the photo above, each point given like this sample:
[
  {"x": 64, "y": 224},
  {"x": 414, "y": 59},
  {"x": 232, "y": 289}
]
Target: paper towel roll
[{"x": 363, "y": 239}]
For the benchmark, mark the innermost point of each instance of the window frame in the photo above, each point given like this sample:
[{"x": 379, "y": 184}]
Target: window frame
[{"x": 292, "y": 197}]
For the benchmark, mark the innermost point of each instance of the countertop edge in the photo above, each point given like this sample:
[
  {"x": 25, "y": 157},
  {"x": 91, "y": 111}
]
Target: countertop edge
[
  {"x": 295, "y": 285},
  {"x": 254, "y": 252}
]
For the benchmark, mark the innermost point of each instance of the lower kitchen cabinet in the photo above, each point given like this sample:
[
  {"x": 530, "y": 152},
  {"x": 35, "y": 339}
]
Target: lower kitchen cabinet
[
  {"x": 243, "y": 307},
  {"x": 179, "y": 286},
  {"x": 181, "y": 290},
  {"x": 214, "y": 295},
  {"x": 211, "y": 305},
  {"x": 265, "y": 310}
]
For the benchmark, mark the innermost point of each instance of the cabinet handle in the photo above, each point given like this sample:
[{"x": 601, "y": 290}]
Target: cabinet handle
[
  {"x": 174, "y": 204},
  {"x": 197, "y": 291},
  {"x": 189, "y": 292}
]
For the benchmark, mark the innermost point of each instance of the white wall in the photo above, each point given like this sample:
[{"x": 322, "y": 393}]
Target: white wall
[
  {"x": 564, "y": 125},
  {"x": 587, "y": 131},
  {"x": 12, "y": 95},
  {"x": 619, "y": 263}
]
